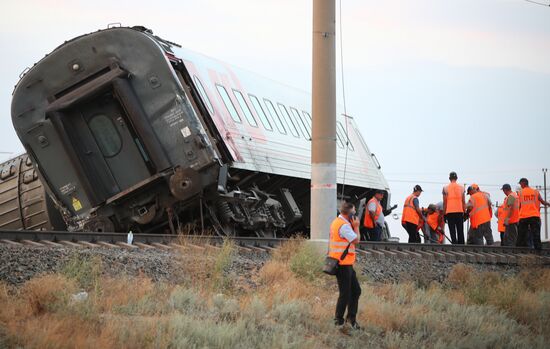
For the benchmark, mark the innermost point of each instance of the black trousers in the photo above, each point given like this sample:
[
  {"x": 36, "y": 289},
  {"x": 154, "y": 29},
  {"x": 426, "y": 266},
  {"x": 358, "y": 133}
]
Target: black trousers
[
  {"x": 528, "y": 226},
  {"x": 412, "y": 230},
  {"x": 349, "y": 288},
  {"x": 455, "y": 221}
]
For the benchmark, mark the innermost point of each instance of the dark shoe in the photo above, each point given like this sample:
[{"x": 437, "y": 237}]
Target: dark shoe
[
  {"x": 355, "y": 326},
  {"x": 338, "y": 322}
]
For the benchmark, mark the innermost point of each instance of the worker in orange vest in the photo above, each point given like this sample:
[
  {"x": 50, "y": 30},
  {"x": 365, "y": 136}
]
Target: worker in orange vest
[
  {"x": 500, "y": 214},
  {"x": 529, "y": 214},
  {"x": 454, "y": 207},
  {"x": 510, "y": 217},
  {"x": 344, "y": 233},
  {"x": 374, "y": 217},
  {"x": 480, "y": 211},
  {"x": 436, "y": 224},
  {"x": 412, "y": 215}
]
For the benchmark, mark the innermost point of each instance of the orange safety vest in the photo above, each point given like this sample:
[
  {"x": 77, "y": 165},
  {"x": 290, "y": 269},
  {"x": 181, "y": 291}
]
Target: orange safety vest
[
  {"x": 502, "y": 214},
  {"x": 514, "y": 218},
  {"x": 433, "y": 220},
  {"x": 454, "y": 198},
  {"x": 481, "y": 212},
  {"x": 529, "y": 203},
  {"x": 337, "y": 245},
  {"x": 368, "y": 222},
  {"x": 409, "y": 211}
]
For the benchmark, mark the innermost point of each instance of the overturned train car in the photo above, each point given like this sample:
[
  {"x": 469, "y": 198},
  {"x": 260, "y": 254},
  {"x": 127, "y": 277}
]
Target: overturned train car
[{"x": 130, "y": 131}]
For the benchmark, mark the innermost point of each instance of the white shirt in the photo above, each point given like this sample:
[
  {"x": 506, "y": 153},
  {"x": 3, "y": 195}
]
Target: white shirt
[{"x": 346, "y": 231}]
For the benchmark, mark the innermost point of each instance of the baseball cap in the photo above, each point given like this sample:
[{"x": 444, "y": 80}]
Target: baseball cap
[
  {"x": 506, "y": 187},
  {"x": 523, "y": 180},
  {"x": 417, "y": 188},
  {"x": 469, "y": 189},
  {"x": 475, "y": 186},
  {"x": 453, "y": 175},
  {"x": 379, "y": 192}
]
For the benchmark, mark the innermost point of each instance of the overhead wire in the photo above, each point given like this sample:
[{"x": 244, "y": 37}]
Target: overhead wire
[
  {"x": 538, "y": 3},
  {"x": 343, "y": 97}
]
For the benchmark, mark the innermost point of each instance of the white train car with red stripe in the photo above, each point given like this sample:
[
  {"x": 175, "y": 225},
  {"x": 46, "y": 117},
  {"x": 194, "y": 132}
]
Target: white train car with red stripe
[{"x": 130, "y": 131}]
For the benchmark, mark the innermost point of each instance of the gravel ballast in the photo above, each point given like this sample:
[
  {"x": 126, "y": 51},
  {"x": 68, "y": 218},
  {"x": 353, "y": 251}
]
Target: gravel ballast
[{"x": 19, "y": 264}]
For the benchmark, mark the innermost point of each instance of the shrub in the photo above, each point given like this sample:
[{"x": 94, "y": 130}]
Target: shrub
[
  {"x": 86, "y": 270},
  {"x": 307, "y": 262},
  {"x": 47, "y": 293},
  {"x": 222, "y": 263}
]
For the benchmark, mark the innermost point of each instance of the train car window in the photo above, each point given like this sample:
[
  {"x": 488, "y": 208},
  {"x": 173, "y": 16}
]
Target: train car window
[
  {"x": 344, "y": 136},
  {"x": 308, "y": 118},
  {"x": 291, "y": 125},
  {"x": 275, "y": 116},
  {"x": 203, "y": 94},
  {"x": 244, "y": 107},
  {"x": 106, "y": 135},
  {"x": 228, "y": 103},
  {"x": 260, "y": 111},
  {"x": 301, "y": 123}
]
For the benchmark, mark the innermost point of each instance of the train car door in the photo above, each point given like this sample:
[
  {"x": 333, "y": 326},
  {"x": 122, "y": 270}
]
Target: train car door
[
  {"x": 107, "y": 145},
  {"x": 118, "y": 144}
]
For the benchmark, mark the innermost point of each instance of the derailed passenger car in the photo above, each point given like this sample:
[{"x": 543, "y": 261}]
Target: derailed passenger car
[{"x": 129, "y": 131}]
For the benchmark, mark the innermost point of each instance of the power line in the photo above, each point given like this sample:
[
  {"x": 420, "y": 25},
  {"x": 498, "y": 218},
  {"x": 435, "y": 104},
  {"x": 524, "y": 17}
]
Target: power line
[{"x": 538, "y": 3}]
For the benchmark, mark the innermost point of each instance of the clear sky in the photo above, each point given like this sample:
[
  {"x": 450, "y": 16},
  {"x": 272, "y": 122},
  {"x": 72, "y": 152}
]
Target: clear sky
[{"x": 435, "y": 85}]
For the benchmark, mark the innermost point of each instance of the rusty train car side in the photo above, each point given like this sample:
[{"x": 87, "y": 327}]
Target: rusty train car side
[{"x": 24, "y": 203}]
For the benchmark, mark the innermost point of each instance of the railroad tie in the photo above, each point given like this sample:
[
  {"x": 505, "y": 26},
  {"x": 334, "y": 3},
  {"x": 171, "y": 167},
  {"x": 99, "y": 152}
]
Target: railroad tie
[
  {"x": 161, "y": 246},
  {"x": 51, "y": 243},
  {"x": 70, "y": 243},
  {"x": 10, "y": 242},
  {"x": 127, "y": 245},
  {"x": 32, "y": 243},
  {"x": 143, "y": 246},
  {"x": 107, "y": 244},
  {"x": 88, "y": 244}
]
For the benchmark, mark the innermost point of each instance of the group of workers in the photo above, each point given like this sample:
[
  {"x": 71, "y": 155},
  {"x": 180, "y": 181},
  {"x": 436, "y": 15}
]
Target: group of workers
[
  {"x": 518, "y": 217},
  {"x": 518, "y": 222}
]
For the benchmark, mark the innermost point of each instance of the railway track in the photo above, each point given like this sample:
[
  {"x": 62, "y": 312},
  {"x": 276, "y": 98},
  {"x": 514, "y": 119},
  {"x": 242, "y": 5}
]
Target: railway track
[{"x": 431, "y": 252}]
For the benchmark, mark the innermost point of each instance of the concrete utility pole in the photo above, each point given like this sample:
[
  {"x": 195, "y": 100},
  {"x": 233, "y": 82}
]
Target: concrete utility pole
[
  {"x": 544, "y": 171},
  {"x": 323, "y": 141}
]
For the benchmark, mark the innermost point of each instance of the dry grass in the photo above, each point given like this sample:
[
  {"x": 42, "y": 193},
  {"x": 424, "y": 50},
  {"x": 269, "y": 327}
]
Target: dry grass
[{"x": 291, "y": 307}]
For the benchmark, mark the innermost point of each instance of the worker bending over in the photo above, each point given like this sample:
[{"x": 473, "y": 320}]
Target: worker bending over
[
  {"x": 529, "y": 214},
  {"x": 412, "y": 215},
  {"x": 436, "y": 224},
  {"x": 454, "y": 207},
  {"x": 480, "y": 211},
  {"x": 374, "y": 217}
]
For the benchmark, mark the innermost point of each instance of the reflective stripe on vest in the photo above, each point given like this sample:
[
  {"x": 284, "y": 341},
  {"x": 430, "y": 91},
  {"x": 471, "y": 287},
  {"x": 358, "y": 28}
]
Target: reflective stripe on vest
[
  {"x": 454, "y": 198},
  {"x": 368, "y": 222},
  {"x": 480, "y": 211},
  {"x": 514, "y": 218},
  {"x": 337, "y": 244},
  {"x": 529, "y": 203},
  {"x": 409, "y": 211}
]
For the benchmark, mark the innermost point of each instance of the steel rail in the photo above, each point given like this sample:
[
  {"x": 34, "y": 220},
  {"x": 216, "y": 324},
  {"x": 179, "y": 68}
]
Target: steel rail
[{"x": 114, "y": 238}]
